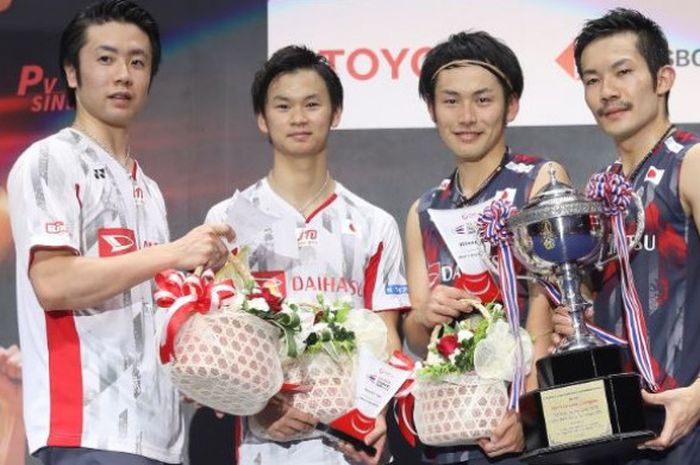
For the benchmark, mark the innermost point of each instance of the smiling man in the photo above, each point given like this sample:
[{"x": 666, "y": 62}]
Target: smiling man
[
  {"x": 472, "y": 84},
  {"x": 342, "y": 244},
  {"x": 624, "y": 62},
  {"x": 90, "y": 231}
]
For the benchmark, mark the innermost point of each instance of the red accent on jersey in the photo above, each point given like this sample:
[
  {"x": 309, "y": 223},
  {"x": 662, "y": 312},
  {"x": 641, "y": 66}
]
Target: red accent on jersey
[
  {"x": 276, "y": 280},
  {"x": 66, "y": 381},
  {"x": 371, "y": 275},
  {"x": 116, "y": 241},
  {"x": 328, "y": 201}
]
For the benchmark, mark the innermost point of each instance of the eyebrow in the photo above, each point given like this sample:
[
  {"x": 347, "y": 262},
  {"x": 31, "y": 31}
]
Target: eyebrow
[
  {"x": 616, "y": 64},
  {"x": 133, "y": 51},
  {"x": 282, "y": 97}
]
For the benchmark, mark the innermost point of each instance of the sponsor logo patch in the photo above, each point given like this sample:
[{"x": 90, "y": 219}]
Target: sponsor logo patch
[
  {"x": 115, "y": 241},
  {"x": 396, "y": 289},
  {"x": 273, "y": 280},
  {"x": 57, "y": 227}
]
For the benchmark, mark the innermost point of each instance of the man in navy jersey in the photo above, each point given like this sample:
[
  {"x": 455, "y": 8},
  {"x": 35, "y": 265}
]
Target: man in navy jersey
[
  {"x": 623, "y": 60},
  {"x": 472, "y": 84}
]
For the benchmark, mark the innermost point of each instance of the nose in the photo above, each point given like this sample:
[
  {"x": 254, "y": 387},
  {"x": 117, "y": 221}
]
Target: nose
[
  {"x": 123, "y": 72},
  {"x": 467, "y": 114},
  {"x": 298, "y": 115},
  {"x": 608, "y": 89}
]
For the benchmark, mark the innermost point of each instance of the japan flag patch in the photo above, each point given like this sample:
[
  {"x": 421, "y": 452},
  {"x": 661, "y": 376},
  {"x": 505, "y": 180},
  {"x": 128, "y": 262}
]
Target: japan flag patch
[{"x": 654, "y": 175}]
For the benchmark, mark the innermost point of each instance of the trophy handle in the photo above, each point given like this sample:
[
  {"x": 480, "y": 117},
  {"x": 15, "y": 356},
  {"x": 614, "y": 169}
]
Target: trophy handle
[{"x": 609, "y": 254}]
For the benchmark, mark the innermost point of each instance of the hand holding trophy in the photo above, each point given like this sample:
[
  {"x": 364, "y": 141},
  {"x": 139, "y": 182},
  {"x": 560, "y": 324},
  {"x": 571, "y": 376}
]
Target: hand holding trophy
[{"x": 586, "y": 407}]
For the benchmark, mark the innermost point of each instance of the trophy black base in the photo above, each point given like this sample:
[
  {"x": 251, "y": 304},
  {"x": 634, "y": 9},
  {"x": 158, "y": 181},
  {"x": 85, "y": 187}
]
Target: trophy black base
[
  {"x": 586, "y": 410},
  {"x": 585, "y": 451}
]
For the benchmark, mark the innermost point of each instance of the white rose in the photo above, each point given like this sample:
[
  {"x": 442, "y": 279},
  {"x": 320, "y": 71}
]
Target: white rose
[
  {"x": 433, "y": 358},
  {"x": 259, "y": 304},
  {"x": 464, "y": 335}
]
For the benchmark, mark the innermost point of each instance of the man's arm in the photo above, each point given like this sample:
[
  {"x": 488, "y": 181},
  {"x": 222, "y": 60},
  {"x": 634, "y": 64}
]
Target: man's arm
[
  {"x": 429, "y": 307},
  {"x": 682, "y": 404},
  {"x": 64, "y": 281},
  {"x": 11, "y": 424}
]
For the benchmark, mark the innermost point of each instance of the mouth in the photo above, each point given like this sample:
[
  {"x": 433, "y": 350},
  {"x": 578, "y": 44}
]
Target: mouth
[
  {"x": 467, "y": 136},
  {"x": 120, "y": 96},
  {"x": 299, "y": 135},
  {"x": 613, "y": 111}
]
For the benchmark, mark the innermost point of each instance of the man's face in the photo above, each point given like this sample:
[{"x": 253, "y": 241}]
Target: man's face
[
  {"x": 298, "y": 114},
  {"x": 115, "y": 73},
  {"x": 619, "y": 88},
  {"x": 470, "y": 112}
]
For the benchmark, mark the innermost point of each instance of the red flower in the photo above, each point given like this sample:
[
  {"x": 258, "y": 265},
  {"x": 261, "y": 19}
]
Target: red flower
[
  {"x": 447, "y": 345},
  {"x": 273, "y": 300}
]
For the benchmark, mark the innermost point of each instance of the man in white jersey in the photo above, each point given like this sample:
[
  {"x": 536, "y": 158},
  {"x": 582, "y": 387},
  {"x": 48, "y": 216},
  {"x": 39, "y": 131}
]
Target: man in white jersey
[
  {"x": 345, "y": 246},
  {"x": 90, "y": 231}
]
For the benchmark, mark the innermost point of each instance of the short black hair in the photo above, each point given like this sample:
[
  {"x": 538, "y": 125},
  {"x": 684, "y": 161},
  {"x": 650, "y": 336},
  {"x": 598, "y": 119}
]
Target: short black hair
[
  {"x": 122, "y": 11},
  {"x": 651, "y": 40},
  {"x": 288, "y": 60},
  {"x": 477, "y": 46}
]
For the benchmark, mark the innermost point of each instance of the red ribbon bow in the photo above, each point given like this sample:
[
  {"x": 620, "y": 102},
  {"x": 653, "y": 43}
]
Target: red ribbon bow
[{"x": 185, "y": 294}]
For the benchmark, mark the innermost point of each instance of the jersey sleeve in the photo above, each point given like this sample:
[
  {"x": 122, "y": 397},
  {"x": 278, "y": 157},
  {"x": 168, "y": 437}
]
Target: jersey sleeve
[
  {"x": 45, "y": 192},
  {"x": 385, "y": 281}
]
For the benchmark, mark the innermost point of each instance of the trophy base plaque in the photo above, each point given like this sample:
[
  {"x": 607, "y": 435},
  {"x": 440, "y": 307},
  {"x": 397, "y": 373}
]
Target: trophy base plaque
[{"x": 586, "y": 410}]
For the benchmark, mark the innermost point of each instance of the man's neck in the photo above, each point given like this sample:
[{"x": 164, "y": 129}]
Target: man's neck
[
  {"x": 114, "y": 140},
  {"x": 473, "y": 174},
  {"x": 299, "y": 180},
  {"x": 632, "y": 150}
]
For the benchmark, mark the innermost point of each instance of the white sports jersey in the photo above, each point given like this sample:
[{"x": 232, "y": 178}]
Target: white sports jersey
[
  {"x": 90, "y": 377},
  {"x": 347, "y": 247}
]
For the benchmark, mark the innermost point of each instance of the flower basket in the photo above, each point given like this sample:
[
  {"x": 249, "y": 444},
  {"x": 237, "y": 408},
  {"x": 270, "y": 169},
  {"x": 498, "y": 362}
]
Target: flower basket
[
  {"x": 222, "y": 337},
  {"x": 228, "y": 360},
  {"x": 461, "y": 389},
  {"x": 325, "y": 372},
  {"x": 458, "y": 409}
]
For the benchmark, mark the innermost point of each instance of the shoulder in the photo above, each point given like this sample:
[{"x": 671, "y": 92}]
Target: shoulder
[
  {"x": 377, "y": 217},
  {"x": 217, "y": 213},
  {"x": 58, "y": 150}
]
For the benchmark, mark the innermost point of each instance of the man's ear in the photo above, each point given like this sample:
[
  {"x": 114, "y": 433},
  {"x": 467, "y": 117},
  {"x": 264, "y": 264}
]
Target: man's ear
[
  {"x": 665, "y": 77},
  {"x": 513, "y": 109},
  {"x": 71, "y": 75},
  {"x": 262, "y": 123}
]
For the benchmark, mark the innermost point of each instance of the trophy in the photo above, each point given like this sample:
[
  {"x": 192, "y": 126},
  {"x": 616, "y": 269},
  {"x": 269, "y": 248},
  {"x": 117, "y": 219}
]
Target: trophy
[{"x": 586, "y": 408}]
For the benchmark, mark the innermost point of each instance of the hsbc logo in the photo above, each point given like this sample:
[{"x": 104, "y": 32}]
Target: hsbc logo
[{"x": 115, "y": 241}]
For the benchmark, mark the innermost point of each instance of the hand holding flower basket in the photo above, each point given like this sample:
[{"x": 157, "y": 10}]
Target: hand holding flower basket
[{"x": 460, "y": 391}]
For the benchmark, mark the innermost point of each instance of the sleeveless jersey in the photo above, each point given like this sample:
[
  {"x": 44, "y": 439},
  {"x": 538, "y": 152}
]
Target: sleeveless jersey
[
  {"x": 513, "y": 182},
  {"x": 666, "y": 273}
]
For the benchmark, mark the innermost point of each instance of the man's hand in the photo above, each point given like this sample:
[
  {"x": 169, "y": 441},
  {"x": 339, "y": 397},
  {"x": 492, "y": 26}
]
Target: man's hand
[
  {"x": 563, "y": 326},
  {"x": 282, "y": 421},
  {"x": 10, "y": 378},
  {"x": 376, "y": 439},
  {"x": 444, "y": 305},
  {"x": 682, "y": 414},
  {"x": 202, "y": 246},
  {"x": 506, "y": 438}
]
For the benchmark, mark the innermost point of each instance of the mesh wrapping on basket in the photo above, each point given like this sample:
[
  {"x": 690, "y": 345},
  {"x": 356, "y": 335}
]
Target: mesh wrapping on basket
[
  {"x": 228, "y": 360},
  {"x": 332, "y": 389},
  {"x": 458, "y": 411}
]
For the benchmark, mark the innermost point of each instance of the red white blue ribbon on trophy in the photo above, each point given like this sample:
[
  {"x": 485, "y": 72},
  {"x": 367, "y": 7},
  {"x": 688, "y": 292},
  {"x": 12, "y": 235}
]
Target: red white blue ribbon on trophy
[
  {"x": 615, "y": 193},
  {"x": 555, "y": 297},
  {"x": 493, "y": 230}
]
